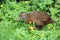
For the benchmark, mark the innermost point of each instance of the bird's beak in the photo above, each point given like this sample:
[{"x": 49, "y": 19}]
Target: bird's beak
[{"x": 17, "y": 19}]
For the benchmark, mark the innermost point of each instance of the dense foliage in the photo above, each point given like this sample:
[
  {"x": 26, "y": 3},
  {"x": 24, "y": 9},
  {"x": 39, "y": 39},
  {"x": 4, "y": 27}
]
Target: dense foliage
[{"x": 10, "y": 29}]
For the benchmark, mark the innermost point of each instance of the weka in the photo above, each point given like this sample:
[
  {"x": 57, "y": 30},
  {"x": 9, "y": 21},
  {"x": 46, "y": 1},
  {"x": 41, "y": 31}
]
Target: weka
[{"x": 39, "y": 18}]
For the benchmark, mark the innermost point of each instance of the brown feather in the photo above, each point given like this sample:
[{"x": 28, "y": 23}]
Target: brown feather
[{"x": 39, "y": 18}]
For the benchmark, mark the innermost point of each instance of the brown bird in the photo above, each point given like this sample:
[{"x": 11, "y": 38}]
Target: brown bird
[{"x": 39, "y": 18}]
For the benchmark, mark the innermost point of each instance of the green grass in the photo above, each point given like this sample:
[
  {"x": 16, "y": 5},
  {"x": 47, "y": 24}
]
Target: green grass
[{"x": 10, "y": 29}]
